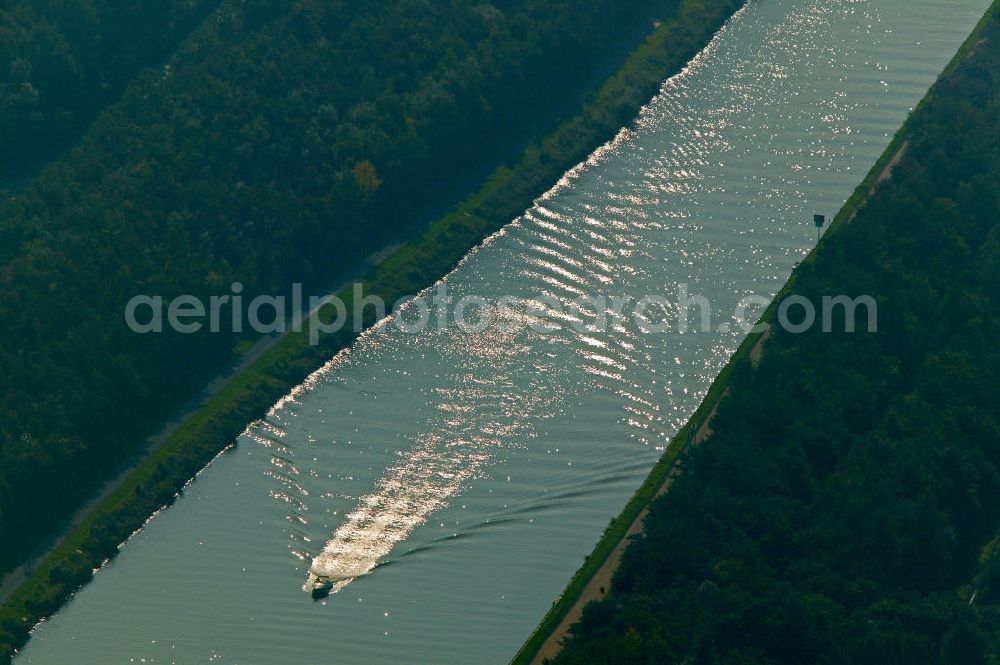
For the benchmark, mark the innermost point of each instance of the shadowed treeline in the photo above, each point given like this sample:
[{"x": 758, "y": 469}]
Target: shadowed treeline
[
  {"x": 847, "y": 507},
  {"x": 285, "y": 139},
  {"x": 62, "y": 61}
]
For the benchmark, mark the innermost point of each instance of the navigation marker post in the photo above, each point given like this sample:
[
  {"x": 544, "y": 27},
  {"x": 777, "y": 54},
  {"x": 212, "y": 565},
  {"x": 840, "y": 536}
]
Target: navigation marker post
[{"x": 819, "y": 220}]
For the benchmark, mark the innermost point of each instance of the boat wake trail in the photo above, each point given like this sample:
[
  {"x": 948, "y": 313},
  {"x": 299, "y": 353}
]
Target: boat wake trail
[{"x": 477, "y": 410}]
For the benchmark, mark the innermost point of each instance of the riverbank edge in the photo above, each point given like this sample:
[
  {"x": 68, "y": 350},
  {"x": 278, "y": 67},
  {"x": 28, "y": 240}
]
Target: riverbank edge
[
  {"x": 159, "y": 479},
  {"x": 618, "y": 527}
]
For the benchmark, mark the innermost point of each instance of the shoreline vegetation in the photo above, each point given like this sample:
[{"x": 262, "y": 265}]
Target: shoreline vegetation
[
  {"x": 282, "y": 141},
  {"x": 595, "y": 631},
  {"x": 155, "y": 483}
]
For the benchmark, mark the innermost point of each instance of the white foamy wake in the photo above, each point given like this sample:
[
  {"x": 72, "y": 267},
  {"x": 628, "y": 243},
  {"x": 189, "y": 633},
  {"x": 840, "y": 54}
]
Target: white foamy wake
[{"x": 478, "y": 412}]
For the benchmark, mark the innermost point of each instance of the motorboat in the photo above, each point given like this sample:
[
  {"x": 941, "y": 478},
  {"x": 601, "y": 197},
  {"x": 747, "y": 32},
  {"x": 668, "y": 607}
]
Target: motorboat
[{"x": 321, "y": 588}]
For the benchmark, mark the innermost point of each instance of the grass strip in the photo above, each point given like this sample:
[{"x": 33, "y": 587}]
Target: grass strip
[
  {"x": 618, "y": 527},
  {"x": 157, "y": 480}
]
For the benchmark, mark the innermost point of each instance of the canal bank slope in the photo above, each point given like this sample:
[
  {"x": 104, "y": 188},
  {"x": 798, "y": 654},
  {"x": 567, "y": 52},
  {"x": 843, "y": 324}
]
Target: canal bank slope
[
  {"x": 245, "y": 395},
  {"x": 593, "y": 581}
]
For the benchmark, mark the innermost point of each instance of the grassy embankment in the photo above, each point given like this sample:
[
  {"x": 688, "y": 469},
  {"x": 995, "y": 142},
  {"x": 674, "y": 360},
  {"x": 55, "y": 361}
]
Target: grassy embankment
[
  {"x": 156, "y": 481},
  {"x": 618, "y": 527}
]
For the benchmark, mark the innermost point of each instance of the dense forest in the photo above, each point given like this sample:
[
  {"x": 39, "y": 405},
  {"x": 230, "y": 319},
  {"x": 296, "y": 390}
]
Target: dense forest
[
  {"x": 847, "y": 507},
  {"x": 282, "y": 142},
  {"x": 61, "y": 61}
]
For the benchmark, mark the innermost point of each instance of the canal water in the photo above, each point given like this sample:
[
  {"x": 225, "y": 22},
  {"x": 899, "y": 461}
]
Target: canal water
[{"x": 457, "y": 477}]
